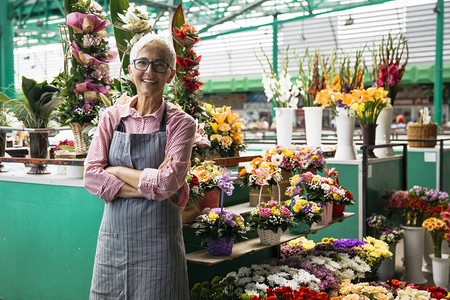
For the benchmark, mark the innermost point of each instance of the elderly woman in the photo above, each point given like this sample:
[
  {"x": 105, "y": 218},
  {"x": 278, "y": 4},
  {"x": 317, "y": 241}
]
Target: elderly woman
[{"x": 137, "y": 163}]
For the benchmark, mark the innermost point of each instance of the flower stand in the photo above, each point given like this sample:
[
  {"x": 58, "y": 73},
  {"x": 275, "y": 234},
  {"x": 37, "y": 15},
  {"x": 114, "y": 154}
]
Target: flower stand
[
  {"x": 345, "y": 127},
  {"x": 313, "y": 126},
  {"x": 412, "y": 254},
  {"x": 220, "y": 247},
  {"x": 327, "y": 214},
  {"x": 284, "y": 117},
  {"x": 386, "y": 271},
  {"x": 268, "y": 237},
  {"x": 300, "y": 228},
  {"x": 440, "y": 270},
  {"x": 211, "y": 199},
  {"x": 383, "y": 132},
  {"x": 266, "y": 195}
]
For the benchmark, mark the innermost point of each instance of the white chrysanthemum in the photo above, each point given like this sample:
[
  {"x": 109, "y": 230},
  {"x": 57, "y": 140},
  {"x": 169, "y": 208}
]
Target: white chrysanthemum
[{"x": 277, "y": 159}]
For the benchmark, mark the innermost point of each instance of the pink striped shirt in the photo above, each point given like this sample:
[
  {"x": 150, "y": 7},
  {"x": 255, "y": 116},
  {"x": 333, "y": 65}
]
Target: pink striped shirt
[{"x": 157, "y": 184}]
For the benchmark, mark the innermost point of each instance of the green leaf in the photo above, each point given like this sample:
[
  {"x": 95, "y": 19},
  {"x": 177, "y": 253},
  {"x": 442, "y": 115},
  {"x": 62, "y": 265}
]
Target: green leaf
[{"x": 118, "y": 7}]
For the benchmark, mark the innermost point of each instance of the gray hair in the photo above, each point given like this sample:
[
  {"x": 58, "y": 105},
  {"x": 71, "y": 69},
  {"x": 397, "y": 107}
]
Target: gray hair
[{"x": 154, "y": 39}]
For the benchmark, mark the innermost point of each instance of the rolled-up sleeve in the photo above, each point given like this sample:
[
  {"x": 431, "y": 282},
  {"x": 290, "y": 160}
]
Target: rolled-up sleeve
[
  {"x": 160, "y": 184},
  {"x": 96, "y": 180}
]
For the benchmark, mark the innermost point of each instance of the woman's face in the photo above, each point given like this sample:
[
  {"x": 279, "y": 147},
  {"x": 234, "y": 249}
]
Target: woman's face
[{"x": 149, "y": 82}]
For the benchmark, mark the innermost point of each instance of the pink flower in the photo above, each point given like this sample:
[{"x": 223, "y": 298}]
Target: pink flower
[
  {"x": 307, "y": 176},
  {"x": 265, "y": 212},
  {"x": 272, "y": 203},
  {"x": 86, "y": 23},
  {"x": 90, "y": 90},
  {"x": 88, "y": 60},
  {"x": 261, "y": 175},
  {"x": 285, "y": 213}
]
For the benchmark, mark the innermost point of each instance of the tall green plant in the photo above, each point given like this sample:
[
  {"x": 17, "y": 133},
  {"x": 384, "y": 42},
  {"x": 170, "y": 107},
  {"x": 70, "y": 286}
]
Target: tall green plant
[
  {"x": 36, "y": 106},
  {"x": 121, "y": 35}
]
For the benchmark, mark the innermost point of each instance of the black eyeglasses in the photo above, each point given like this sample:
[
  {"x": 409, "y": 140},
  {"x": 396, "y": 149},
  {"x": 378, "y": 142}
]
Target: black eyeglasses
[{"x": 158, "y": 66}]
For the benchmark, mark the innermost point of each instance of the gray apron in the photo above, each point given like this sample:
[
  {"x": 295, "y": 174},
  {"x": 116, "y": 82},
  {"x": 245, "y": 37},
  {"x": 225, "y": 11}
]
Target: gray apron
[{"x": 140, "y": 250}]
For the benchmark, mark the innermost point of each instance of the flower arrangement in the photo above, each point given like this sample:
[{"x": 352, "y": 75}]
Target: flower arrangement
[
  {"x": 278, "y": 86},
  {"x": 85, "y": 89},
  {"x": 295, "y": 246},
  {"x": 389, "y": 64},
  {"x": 368, "y": 103},
  {"x": 207, "y": 225},
  {"x": 378, "y": 229},
  {"x": 310, "y": 158},
  {"x": 136, "y": 20},
  {"x": 364, "y": 290},
  {"x": 259, "y": 172},
  {"x": 203, "y": 176},
  {"x": 304, "y": 211},
  {"x": 315, "y": 79},
  {"x": 376, "y": 251},
  {"x": 438, "y": 230},
  {"x": 282, "y": 157},
  {"x": 319, "y": 189},
  {"x": 286, "y": 292},
  {"x": 223, "y": 129},
  {"x": 65, "y": 146},
  {"x": 270, "y": 216},
  {"x": 256, "y": 279},
  {"x": 185, "y": 90}
]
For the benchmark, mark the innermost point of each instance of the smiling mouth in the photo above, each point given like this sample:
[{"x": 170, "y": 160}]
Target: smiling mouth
[{"x": 149, "y": 81}]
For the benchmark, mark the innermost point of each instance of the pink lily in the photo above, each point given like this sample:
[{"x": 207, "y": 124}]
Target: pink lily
[
  {"x": 89, "y": 60},
  {"x": 90, "y": 90},
  {"x": 86, "y": 23},
  {"x": 200, "y": 139}
]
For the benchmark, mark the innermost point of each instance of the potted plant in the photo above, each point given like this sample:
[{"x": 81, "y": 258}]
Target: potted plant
[
  {"x": 271, "y": 220},
  {"x": 203, "y": 179},
  {"x": 259, "y": 175},
  {"x": 219, "y": 228},
  {"x": 304, "y": 213},
  {"x": 35, "y": 110}
]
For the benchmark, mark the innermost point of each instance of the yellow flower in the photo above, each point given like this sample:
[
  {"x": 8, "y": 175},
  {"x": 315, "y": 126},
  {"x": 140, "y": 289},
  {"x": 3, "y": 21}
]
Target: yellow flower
[
  {"x": 204, "y": 176},
  {"x": 314, "y": 157},
  {"x": 288, "y": 152},
  {"x": 294, "y": 179},
  {"x": 226, "y": 141},
  {"x": 213, "y": 216},
  {"x": 214, "y": 126},
  {"x": 224, "y": 127},
  {"x": 239, "y": 222},
  {"x": 208, "y": 107},
  {"x": 216, "y": 137}
]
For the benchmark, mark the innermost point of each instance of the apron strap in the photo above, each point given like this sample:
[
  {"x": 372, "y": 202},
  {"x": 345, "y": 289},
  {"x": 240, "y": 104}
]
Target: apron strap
[
  {"x": 120, "y": 126},
  {"x": 162, "y": 125}
]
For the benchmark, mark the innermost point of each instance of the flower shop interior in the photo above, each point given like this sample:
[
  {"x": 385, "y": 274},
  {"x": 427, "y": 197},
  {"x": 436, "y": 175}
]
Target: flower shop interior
[{"x": 320, "y": 167}]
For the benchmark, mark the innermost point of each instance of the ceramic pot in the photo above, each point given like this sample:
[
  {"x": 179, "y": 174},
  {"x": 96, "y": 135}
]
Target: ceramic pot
[
  {"x": 313, "y": 126},
  {"x": 412, "y": 254},
  {"x": 284, "y": 117},
  {"x": 383, "y": 132},
  {"x": 440, "y": 270}
]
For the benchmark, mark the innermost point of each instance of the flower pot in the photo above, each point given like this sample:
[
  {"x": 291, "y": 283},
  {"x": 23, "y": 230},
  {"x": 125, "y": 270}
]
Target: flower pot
[
  {"x": 74, "y": 171},
  {"x": 440, "y": 270},
  {"x": 338, "y": 210},
  {"x": 368, "y": 131},
  {"x": 345, "y": 128},
  {"x": 300, "y": 228},
  {"x": 313, "y": 126},
  {"x": 38, "y": 149},
  {"x": 327, "y": 214},
  {"x": 386, "y": 271},
  {"x": 412, "y": 254},
  {"x": 383, "y": 132},
  {"x": 268, "y": 237},
  {"x": 278, "y": 190},
  {"x": 265, "y": 195},
  {"x": 2, "y": 148},
  {"x": 284, "y": 117},
  {"x": 220, "y": 247},
  {"x": 211, "y": 199}
]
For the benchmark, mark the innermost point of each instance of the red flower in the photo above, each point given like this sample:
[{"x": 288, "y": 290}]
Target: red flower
[
  {"x": 194, "y": 180},
  {"x": 191, "y": 86}
]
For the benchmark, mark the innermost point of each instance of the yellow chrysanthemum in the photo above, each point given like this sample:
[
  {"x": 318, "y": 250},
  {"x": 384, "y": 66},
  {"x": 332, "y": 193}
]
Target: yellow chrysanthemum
[{"x": 213, "y": 216}]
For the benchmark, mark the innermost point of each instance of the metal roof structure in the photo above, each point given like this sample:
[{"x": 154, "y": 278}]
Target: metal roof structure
[{"x": 36, "y": 21}]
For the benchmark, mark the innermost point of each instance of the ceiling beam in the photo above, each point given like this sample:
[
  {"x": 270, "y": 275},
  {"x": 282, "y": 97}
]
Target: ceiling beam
[{"x": 232, "y": 16}]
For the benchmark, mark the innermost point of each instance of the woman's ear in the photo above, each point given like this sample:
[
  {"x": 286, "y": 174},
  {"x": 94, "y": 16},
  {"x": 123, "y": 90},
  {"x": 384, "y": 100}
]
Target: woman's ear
[
  {"x": 129, "y": 68},
  {"x": 172, "y": 75}
]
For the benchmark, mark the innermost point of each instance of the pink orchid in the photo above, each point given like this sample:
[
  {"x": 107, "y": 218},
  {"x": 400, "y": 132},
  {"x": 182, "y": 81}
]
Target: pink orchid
[
  {"x": 86, "y": 23},
  {"x": 90, "y": 90},
  {"x": 88, "y": 60}
]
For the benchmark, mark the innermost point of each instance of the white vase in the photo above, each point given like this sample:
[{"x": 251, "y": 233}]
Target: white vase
[
  {"x": 386, "y": 271},
  {"x": 383, "y": 132},
  {"x": 412, "y": 254},
  {"x": 427, "y": 250},
  {"x": 345, "y": 128},
  {"x": 313, "y": 126},
  {"x": 440, "y": 270},
  {"x": 284, "y": 117}
]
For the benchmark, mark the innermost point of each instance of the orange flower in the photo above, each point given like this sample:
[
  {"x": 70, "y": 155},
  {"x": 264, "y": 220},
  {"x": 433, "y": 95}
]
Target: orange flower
[
  {"x": 226, "y": 141},
  {"x": 224, "y": 127},
  {"x": 242, "y": 172}
]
